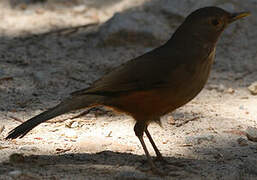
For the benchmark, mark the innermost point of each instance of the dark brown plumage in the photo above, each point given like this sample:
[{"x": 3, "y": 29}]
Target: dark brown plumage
[{"x": 155, "y": 83}]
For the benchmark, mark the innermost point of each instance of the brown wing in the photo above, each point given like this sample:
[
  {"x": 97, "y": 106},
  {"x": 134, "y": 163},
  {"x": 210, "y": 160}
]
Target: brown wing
[
  {"x": 161, "y": 68},
  {"x": 151, "y": 70}
]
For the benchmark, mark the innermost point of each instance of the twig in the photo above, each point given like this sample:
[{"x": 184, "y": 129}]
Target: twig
[
  {"x": 59, "y": 150},
  {"x": 187, "y": 121},
  {"x": 16, "y": 119},
  {"x": 1, "y": 128}
]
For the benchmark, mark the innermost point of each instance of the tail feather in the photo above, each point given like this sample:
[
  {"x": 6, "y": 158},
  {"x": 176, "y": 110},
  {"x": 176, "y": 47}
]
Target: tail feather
[
  {"x": 25, "y": 127},
  {"x": 64, "y": 107}
]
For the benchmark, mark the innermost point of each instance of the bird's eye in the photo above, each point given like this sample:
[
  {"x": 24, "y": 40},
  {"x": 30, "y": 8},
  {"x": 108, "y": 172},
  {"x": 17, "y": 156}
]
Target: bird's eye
[{"x": 215, "y": 22}]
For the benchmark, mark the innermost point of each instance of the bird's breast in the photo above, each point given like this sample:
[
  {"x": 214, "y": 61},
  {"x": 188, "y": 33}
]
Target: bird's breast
[
  {"x": 191, "y": 79},
  {"x": 179, "y": 87}
]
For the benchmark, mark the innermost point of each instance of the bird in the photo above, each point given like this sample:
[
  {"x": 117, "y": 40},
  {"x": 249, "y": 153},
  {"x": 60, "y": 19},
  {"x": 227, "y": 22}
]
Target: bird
[{"x": 155, "y": 83}]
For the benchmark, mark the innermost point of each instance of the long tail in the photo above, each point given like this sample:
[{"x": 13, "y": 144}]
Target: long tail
[{"x": 73, "y": 103}]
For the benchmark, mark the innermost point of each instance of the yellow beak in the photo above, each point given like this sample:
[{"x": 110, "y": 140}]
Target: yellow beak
[{"x": 236, "y": 16}]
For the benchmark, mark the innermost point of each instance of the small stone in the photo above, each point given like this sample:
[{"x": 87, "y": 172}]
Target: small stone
[
  {"x": 68, "y": 123},
  {"x": 230, "y": 91},
  {"x": 218, "y": 88},
  {"x": 251, "y": 134},
  {"x": 253, "y": 88},
  {"x": 252, "y": 131},
  {"x": 74, "y": 124},
  {"x": 242, "y": 142}
]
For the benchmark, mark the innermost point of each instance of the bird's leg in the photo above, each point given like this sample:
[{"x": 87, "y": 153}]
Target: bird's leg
[
  {"x": 139, "y": 129},
  {"x": 157, "y": 152}
]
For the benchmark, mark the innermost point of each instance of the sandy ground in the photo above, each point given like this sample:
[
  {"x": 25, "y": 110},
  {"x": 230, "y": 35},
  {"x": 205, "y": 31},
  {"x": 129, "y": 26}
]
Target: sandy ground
[{"x": 205, "y": 139}]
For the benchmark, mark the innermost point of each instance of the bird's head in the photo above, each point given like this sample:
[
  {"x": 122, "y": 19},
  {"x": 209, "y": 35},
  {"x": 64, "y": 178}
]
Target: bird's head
[{"x": 209, "y": 22}]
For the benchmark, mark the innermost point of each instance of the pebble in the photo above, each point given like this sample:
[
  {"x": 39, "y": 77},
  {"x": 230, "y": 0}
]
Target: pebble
[
  {"x": 218, "y": 88},
  {"x": 74, "y": 124},
  {"x": 230, "y": 91},
  {"x": 251, "y": 134},
  {"x": 253, "y": 88}
]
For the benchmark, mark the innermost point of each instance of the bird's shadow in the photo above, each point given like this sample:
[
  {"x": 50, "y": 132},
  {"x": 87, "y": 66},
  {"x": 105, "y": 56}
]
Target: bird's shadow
[{"x": 113, "y": 163}]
